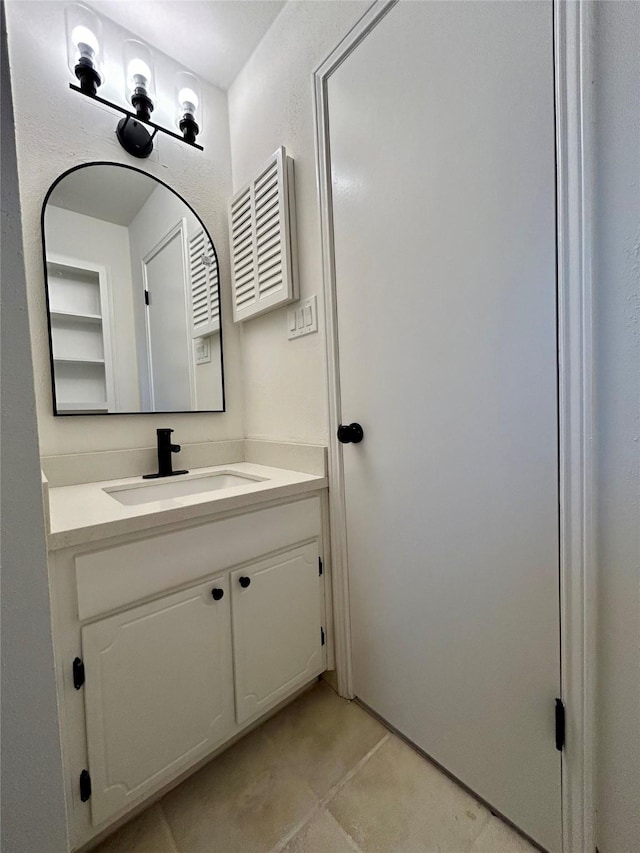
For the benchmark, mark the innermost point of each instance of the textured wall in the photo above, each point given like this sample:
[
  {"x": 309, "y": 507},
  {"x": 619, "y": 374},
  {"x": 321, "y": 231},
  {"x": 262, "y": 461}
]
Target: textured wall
[
  {"x": 58, "y": 128},
  {"x": 617, "y": 354},
  {"x": 33, "y": 816},
  {"x": 271, "y": 104}
]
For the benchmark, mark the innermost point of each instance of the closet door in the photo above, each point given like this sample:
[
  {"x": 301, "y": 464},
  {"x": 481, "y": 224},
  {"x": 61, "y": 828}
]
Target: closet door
[{"x": 441, "y": 130}]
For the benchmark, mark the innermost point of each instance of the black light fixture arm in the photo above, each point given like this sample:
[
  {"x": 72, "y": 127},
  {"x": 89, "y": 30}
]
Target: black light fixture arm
[
  {"x": 189, "y": 128},
  {"x": 136, "y": 117},
  {"x": 88, "y": 76},
  {"x": 142, "y": 103}
]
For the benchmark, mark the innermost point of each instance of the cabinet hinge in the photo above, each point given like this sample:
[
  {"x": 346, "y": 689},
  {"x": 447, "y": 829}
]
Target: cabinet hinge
[
  {"x": 78, "y": 673},
  {"x": 322, "y": 635},
  {"x": 146, "y": 297},
  {"x": 560, "y": 725},
  {"x": 320, "y": 566},
  {"x": 85, "y": 786}
]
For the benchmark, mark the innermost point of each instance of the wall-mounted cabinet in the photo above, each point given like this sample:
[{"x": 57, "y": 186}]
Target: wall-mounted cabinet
[
  {"x": 80, "y": 335},
  {"x": 264, "y": 255}
]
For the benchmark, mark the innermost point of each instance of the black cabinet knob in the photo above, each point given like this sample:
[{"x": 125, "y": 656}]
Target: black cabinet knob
[
  {"x": 217, "y": 593},
  {"x": 244, "y": 582},
  {"x": 351, "y": 434}
]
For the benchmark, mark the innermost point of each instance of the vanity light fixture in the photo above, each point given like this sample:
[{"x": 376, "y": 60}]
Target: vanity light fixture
[
  {"x": 83, "y": 47},
  {"x": 187, "y": 88},
  {"x": 135, "y": 131}
]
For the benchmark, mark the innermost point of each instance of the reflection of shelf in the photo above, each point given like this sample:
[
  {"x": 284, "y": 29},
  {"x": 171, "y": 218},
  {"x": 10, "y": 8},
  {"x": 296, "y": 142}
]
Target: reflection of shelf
[
  {"x": 75, "y": 317},
  {"x": 79, "y": 360},
  {"x": 78, "y": 301},
  {"x": 82, "y": 407}
]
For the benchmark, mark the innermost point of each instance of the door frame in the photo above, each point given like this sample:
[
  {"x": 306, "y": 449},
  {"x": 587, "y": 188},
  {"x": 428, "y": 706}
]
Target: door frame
[{"x": 572, "y": 29}]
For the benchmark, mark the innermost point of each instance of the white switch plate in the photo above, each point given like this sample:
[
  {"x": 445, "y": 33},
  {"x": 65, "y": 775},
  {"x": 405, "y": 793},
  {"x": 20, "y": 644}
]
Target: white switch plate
[
  {"x": 202, "y": 349},
  {"x": 303, "y": 319}
]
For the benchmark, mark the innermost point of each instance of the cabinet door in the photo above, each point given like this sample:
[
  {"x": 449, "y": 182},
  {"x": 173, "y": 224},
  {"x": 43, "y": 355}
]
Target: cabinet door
[
  {"x": 278, "y": 630},
  {"x": 158, "y": 692}
]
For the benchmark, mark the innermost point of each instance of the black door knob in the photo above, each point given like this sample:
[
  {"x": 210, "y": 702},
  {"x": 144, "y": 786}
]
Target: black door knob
[
  {"x": 217, "y": 593},
  {"x": 351, "y": 434},
  {"x": 244, "y": 582}
]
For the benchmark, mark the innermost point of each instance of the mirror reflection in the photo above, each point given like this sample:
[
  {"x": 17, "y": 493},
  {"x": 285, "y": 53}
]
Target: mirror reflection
[{"x": 133, "y": 296}]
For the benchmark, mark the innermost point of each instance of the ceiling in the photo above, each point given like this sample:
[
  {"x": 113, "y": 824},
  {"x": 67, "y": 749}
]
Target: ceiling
[
  {"x": 212, "y": 38},
  {"x": 105, "y": 192}
]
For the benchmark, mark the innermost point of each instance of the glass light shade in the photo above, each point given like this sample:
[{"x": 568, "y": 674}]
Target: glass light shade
[
  {"x": 188, "y": 100},
  {"x": 85, "y": 41},
  {"x": 188, "y": 97},
  {"x": 84, "y": 33},
  {"x": 138, "y": 73},
  {"x": 138, "y": 61}
]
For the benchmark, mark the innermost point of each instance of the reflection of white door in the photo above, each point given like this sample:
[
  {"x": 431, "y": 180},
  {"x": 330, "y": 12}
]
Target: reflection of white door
[
  {"x": 441, "y": 133},
  {"x": 169, "y": 342}
]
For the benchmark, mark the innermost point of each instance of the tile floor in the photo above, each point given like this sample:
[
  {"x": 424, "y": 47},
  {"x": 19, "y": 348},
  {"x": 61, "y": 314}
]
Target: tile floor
[{"x": 322, "y": 776}]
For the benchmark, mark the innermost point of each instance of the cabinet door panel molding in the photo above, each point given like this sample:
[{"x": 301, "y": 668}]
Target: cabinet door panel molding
[{"x": 158, "y": 693}]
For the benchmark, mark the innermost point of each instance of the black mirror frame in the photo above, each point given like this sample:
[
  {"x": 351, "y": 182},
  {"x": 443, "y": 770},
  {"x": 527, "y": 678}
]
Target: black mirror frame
[{"x": 58, "y": 414}]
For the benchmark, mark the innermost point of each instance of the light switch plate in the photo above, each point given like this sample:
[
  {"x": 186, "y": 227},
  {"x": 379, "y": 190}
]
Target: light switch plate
[
  {"x": 303, "y": 318},
  {"x": 202, "y": 348}
]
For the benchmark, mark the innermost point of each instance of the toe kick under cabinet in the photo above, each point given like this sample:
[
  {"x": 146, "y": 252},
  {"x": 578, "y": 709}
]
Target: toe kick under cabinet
[{"x": 170, "y": 645}]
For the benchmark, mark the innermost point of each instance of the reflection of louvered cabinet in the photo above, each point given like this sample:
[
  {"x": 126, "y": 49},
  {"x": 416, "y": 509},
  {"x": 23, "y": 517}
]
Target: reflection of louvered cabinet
[
  {"x": 262, "y": 224},
  {"x": 205, "y": 293}
]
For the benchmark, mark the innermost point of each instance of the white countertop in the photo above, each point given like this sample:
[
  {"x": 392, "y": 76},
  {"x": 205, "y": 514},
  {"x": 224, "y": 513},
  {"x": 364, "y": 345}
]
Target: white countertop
[{"x": 86, "y": 513}]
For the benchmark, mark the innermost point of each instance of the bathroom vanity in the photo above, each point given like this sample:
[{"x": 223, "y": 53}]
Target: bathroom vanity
[{"x": 184, "y": 611}]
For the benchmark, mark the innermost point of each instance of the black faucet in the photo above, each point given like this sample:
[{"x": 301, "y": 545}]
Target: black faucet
[{"x": 165, "y": 449}]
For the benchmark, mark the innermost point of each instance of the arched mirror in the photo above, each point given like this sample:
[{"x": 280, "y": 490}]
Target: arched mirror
[{"x": 133, "y": 296}]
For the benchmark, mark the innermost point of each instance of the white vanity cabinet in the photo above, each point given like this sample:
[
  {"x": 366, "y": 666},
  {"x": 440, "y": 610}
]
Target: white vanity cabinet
[
  {"x": 278, "y": 628},
  {"x": 182, "y": 637},
  {"x": 158, "y": 692}
]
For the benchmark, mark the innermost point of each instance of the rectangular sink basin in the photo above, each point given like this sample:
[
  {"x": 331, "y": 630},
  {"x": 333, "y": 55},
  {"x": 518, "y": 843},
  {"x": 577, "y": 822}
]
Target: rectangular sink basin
[{"x": 158, "y": 490}]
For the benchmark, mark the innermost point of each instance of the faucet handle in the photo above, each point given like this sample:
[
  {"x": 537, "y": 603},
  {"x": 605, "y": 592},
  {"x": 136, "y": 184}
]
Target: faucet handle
[{"x": 175, "y": 448}]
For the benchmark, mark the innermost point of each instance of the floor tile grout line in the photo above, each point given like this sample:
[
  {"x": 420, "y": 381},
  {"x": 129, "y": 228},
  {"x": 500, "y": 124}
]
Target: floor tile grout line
[
  {"x": 322, "y": 802},
  {"x": 317, "y": 808},
  {"x": 348, "y": 776},
  {"x": 351, "y": 841}
]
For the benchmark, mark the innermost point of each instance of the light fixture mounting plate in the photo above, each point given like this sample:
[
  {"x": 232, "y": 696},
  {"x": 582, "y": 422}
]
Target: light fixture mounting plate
[{"x": 134, "y": 137}]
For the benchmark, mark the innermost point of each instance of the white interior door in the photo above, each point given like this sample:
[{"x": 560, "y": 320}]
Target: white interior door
[
  {"x": 169, "y": 340},
  {"x": 442, "y": 152}
]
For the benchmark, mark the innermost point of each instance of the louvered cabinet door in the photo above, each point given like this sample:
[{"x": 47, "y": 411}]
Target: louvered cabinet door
[
  {"x": 205, "y": 291},
  {"x": 263, "y": 240},
  {"x": 242, "y": 253}
]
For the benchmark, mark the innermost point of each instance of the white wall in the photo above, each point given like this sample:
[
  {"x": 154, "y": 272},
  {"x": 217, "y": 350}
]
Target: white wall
[
  {"x": 617, "y": 354},
  {"x": 58, "y": 128},
  {"x": 159, "y": 214},
  {"x": 270, "y": 104},
  {"x": 33, "y": 811},
  {"x": 87, "y": 239}
]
